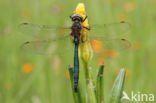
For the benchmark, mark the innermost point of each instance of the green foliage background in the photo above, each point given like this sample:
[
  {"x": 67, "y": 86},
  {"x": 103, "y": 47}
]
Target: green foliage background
[{"x": 44, "y": 84}]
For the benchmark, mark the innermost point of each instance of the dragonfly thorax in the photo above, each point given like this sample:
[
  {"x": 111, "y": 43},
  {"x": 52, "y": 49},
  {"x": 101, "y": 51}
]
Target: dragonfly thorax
[{"x": 76, "y": 30}]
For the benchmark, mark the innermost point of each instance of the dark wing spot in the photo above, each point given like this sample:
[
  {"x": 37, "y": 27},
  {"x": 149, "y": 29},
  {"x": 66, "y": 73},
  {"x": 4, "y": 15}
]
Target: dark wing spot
[
  {"x": 122, "y": 21},
  {"x": 25, "y": 23},
  {"x": 27, "y": 42},
  {"x": 123, "y": 39}
]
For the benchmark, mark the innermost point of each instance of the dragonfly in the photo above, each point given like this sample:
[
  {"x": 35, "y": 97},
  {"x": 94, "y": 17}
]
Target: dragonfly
[{"x": 70, "y": 37}]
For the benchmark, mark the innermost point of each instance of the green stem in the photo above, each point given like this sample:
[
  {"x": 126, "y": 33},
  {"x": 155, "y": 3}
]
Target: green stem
[
  {"x": 100, "y": 85},
  {"x": 86, "y": 73},
  {"x": 90, "y": 97}
]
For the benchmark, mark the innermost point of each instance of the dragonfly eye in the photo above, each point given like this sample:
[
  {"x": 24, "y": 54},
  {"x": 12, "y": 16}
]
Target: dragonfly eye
[{"x": 77, "y": 18}]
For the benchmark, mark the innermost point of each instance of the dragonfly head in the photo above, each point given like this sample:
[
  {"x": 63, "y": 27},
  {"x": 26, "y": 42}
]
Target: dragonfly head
[{"x": 77, "y": 18}]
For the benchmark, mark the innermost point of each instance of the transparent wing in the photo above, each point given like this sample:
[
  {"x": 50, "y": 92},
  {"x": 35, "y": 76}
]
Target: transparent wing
[
  {"x": 112, "y": 30},
  {"x": 52, "y": 46},
  {"x": 108, "y": 49},
  {"x": 44, "y": 31},
  {"x": 100, "y": 44}
]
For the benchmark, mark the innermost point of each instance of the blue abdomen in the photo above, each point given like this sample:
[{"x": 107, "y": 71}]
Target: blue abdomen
[{"x": 76, "y": 66}]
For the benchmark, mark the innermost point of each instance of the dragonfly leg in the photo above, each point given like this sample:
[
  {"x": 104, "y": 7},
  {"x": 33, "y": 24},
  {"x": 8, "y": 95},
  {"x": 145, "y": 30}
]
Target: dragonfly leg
[
  {"x": 85, "y": 18},
  {"x": 86, "y": 27}
]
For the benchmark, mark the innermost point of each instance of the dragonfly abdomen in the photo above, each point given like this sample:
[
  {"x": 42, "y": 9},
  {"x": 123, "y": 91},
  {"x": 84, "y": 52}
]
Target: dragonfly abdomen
[{"x": 76, "y": 66}]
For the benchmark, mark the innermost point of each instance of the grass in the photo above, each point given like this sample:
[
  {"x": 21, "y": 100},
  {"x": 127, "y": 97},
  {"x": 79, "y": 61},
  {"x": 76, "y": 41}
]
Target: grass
[{"x": 49, "y": 84}]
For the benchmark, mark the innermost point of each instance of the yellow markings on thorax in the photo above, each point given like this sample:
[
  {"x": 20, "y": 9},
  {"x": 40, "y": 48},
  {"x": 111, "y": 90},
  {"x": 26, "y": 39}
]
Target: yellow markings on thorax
[{"x": 85, "y": 50}]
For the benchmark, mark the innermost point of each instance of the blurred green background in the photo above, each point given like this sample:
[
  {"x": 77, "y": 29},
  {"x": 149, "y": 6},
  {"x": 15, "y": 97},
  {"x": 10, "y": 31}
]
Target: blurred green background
[{"x": 30, "y": 78}]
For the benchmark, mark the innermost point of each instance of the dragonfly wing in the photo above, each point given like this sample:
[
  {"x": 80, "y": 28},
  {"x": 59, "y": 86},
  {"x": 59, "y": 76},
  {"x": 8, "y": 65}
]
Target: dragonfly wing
[
  {"x": 42, "y": 30},
  {"x": 112, "y": 30},
  {"x": 99, "y": 44},
  {"x": 48, "y": 47}
]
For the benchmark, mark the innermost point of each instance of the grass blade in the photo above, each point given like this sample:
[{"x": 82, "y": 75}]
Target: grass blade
[
  {"x": 100, "y": 85},
  {"x": 117, "y": 87}
]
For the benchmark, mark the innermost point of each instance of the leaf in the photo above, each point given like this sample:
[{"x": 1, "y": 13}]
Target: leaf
[
  {"x": 100, "y": 85},
  {"x": 117, "y": 89}
]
